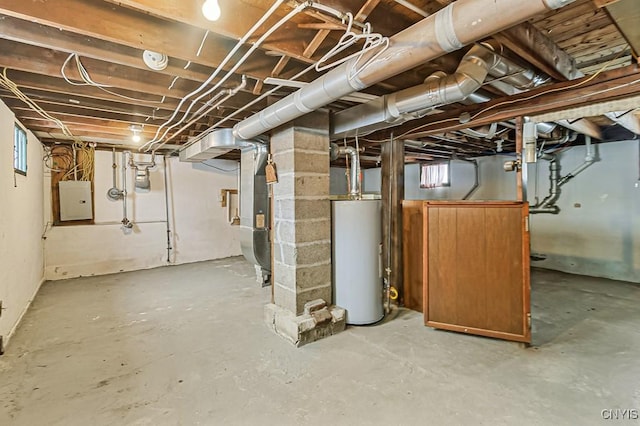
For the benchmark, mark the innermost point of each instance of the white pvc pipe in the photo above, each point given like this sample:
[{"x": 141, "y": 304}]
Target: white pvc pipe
[
  {"x": 231, "y": 72},
  {"x": 238, "y": 45},
  {"x": 589, "y": 159},
  {"x": 227, "y": 93}
]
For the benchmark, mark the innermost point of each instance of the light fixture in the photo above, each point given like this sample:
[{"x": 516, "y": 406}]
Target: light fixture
[
  {"x": 211, "y": 10},
  {"x": 136, "y": 129}
]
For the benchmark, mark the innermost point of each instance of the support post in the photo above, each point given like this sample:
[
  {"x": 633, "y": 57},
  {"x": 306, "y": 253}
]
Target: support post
[
  {"x": 392, "y": 196},
  {"x": 301, "y": 311},
  {"x": 521, "y": 170}
]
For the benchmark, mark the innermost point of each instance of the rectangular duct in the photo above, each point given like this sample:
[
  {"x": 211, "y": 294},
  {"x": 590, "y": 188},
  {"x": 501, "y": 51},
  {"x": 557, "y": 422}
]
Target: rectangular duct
[{"x": 211, "y": 146}]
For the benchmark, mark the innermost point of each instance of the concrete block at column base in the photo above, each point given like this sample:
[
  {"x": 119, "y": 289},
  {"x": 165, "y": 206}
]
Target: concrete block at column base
[{"x": 317, "y": 322}]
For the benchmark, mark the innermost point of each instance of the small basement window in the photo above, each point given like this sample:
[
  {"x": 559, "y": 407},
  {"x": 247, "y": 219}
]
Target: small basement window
[
  {"x": 19, "y": 150},
  {"x": 434, "y": 175}
]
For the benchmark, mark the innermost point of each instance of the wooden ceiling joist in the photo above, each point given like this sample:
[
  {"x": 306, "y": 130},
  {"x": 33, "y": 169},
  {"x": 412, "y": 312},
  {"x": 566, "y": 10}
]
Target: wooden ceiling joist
[
  {"x": 609, "y": 85},
  {"x": 57, "y": 85},
  {"x": 37, "y": 37},
  {"x": 237, "y": 19},
  {"x": 35, "y": 34}
]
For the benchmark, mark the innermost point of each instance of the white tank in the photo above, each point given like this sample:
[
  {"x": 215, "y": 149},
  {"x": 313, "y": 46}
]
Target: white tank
[{"x": 357, "y": 275}]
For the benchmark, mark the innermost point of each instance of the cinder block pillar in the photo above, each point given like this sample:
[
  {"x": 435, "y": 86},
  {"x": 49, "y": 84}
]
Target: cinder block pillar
[{"x": 302, "y": 233}]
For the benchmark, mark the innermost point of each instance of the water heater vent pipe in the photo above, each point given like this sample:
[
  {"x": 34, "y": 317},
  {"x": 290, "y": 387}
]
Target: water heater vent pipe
[{"x": 354, "y": 180}]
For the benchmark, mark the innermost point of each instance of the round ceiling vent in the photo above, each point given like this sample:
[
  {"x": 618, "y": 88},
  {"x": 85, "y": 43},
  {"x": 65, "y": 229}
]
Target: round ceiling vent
[{"x": 154, "y": 60}]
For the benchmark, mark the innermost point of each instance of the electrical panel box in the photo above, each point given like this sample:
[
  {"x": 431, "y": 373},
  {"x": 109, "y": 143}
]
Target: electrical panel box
[{"x": 75, "y": 200}]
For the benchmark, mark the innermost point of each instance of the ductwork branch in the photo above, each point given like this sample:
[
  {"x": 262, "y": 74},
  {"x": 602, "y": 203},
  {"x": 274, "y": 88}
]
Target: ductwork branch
[
  {"x": 451, "y": 28},
  {"x": 437, "y": 90}
]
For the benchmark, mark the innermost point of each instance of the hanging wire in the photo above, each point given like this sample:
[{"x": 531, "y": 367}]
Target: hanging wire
[
  {"x": 86, "y": 167},
  {"x": 86, "y": 80}
]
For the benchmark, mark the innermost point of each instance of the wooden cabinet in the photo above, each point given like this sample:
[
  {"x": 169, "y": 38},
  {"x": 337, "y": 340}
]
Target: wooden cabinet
[
  {"x": 412, "y": 254},
  {"x": 474, "y": 260}
]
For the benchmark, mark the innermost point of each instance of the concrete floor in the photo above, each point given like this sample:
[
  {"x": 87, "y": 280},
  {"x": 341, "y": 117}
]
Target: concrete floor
[{"x": 187, "y": 345}]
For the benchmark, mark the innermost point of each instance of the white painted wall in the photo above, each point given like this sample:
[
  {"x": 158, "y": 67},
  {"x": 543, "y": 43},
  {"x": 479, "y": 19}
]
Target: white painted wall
[
  {"x": 200, "y": 230},
  {"x": 597, "y": 232},
  {"x": 21, "y": 227},
  {"x": 493, "y": 186}
]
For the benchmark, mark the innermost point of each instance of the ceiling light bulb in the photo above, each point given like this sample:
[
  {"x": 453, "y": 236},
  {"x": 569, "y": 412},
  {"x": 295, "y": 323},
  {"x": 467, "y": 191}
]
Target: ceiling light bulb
[
  {"x": 211, "y": 10},
  {"x": 136, "y": 129}
]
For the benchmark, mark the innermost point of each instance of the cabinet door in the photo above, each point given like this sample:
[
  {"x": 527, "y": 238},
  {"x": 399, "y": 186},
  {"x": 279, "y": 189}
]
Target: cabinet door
[{"x": 476, "y": 272}]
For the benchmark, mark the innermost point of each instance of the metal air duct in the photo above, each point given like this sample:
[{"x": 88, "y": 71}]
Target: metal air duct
[
  {"x": 354, "y": 180},
  {"x": 254, "y": 208},
  {"x": 451, "y": 28},
  {"x": 437, "y": 90},
  {"x": 213, "y": 145},
  {"x": 254, "y": 194}
]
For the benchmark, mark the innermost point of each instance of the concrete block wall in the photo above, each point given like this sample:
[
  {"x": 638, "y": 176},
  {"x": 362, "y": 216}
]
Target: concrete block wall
[{"x": 302, "y": 214}]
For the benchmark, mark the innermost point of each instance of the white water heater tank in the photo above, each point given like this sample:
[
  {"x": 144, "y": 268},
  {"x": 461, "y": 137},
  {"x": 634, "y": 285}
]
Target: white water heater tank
[{"x": 357, "y": 271}]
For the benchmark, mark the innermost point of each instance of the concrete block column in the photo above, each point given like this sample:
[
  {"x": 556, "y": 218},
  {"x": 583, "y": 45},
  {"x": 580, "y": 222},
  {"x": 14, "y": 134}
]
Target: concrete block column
[{"x": 302, "y": 230}]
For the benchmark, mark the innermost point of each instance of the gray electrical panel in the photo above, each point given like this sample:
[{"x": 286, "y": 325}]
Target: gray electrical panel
[{"x": 75, "y": 200}]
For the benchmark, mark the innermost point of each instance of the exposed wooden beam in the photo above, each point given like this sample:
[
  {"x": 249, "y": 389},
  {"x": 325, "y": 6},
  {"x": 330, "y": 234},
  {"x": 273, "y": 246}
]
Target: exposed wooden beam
[
  {"x": 257, "y": 88},
  {"x": 386, "y": 24},
  {"x": 88, "y": 105},
  {"x": 315, "y": 43},
  {"x": 603, "y": 3},
  {"x": 37, "y": 81},
  {"x": 33, "y": 59},
  {"x": 57, "y": 90},
  {"x": 520, "y": 189},
  {"x": 321, "y": 26},
  {"x": 36, "y": 60},
  {"x": 119, "y": 145},
  {"x": 322, "y": 34},
  {"x": 277, "y": 70},
  {"x": 78, "y": 130},
  {"x": 80, "y": 111},
  {"x": 237, "y": 18},
  {"x": 366, "y": 10},
  {"x": 392, "y": 196},
  {"x": 106, "y": 126},
  {"x": 64, "y": 41},
  {"x": 619, "y": 83},
  {"x": 539, "y": 50},
  {"x": 626, "y": 17},
  {"x": 140, "y": 31}
]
